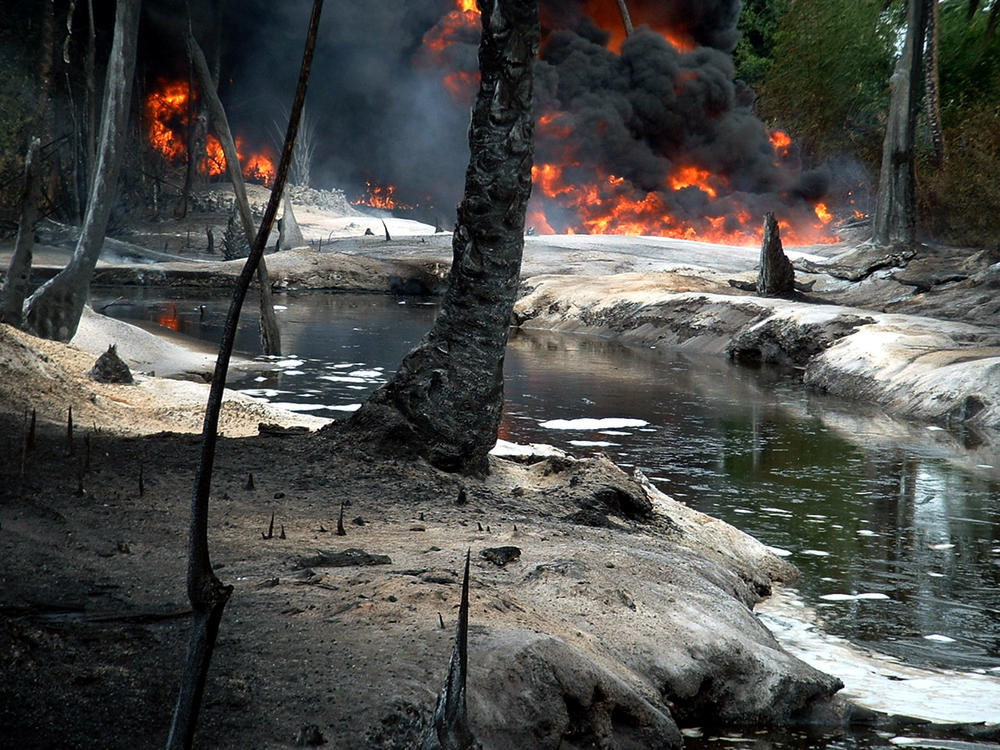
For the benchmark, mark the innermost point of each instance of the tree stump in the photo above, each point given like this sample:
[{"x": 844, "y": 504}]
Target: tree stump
[
  {"x": 289, "y": 234},
  {"x": 776, "y": 277}
]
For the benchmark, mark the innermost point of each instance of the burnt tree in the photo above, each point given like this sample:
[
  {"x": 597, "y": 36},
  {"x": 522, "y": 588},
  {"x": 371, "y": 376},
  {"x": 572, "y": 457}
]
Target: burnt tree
[
  {"x": 894, "y": 221},
  {"x": 15, "y": 285},
  {"x": 270, "y": 339},
  {"x": 776, "y": 277},
  {"x": 54, "y": 310},
  {"x": 446, "y": 399}
]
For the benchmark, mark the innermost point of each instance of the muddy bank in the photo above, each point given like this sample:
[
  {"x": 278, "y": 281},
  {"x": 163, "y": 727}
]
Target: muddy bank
[{"x": 624, "y": 617}]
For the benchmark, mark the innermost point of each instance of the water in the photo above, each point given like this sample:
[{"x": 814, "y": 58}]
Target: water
[{"x": 895, "y": 526}]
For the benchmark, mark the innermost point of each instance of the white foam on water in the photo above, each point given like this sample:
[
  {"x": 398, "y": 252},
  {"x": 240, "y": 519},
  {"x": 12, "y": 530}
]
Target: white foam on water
[
  {"x": 938, "y": 638},
  {"x": 591, "y": 443},
  {"x": 294, "y": 372},
  {"x": 263, "y": 392},
  {"x": 779, "y": 551},
  {"x": 292, "y": 406},
  {"x": 365, "y": 374},
  {"x": 879, "y": 681},
  {"x": 289, "y": 363},
  {"x": 586, "y": 423},
  {"x": 815, "y": 553},
  {"x": 342, "y": 379},
  {"x": 343, "y": 407},
  {"x": 945, "y": 545}
]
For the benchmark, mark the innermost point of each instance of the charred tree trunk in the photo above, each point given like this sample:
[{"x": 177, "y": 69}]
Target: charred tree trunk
[
  {"x": 932, "y": 79},
  {"x": 54, "y": 310},
  {"x": 446, "y": 399},
  {"x": 776, "y": 277},
  {"x": 207, "y": 593},
  {"x": 270, "y": 339},
  {"x": 15, "y": 286},
  {"x": 895, "y": 211}
]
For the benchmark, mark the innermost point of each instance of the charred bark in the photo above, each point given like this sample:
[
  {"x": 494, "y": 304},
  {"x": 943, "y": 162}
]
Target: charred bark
[
  {"x": 54, "y": 310},
  {"x": 270, "y": 339},
  {"x": 15, "y": 286},
  {"x": 446, "y": 399},
  {"x": 449, "y": 729},
  {"x": 776, "y": 277},
  {"x": 207, "y": 593},
  {"x": 894, "y": 219}
]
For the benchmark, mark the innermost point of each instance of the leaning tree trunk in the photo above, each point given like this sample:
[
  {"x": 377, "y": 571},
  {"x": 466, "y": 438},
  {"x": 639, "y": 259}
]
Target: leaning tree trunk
[
  {"x": 15, "y": 285},
  {"x": 895, "y": 211},
  {"x": 54, "y": 310},
  {"x": 626, "y": 18},
  {"x": 446, "y": 400},
  {"x": 270, "y": 339}
]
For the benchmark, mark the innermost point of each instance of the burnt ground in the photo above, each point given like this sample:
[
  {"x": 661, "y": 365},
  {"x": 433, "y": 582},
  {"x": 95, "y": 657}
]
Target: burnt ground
[{"x": 624, "y": 616}]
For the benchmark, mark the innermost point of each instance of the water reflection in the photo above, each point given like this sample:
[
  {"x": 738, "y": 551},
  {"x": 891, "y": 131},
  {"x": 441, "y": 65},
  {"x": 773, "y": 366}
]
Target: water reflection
[{"x": 895, "y": 527}]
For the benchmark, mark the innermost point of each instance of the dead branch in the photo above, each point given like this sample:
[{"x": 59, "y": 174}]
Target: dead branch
[
  {"x": 207, "y": 593},
  {"x": 269, "y": 335}
]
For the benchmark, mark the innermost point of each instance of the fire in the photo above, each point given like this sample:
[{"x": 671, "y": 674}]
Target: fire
[
  {"x": 572, "y": 193},
  {"x": 780, "y": 141},
  {"x": 166, "y": 111},
  {"x": 167, "y": 115},
  {"x": 692, "y": 177},
  {"x": 380, "y": 196}
]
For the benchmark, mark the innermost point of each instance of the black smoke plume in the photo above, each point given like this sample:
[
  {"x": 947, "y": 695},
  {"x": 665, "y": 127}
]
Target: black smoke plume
[{"x": 385, "y": 114}]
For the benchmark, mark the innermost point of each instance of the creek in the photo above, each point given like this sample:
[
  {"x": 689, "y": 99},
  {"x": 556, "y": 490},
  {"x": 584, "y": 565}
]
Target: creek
[{"x": 895, "y": 525}]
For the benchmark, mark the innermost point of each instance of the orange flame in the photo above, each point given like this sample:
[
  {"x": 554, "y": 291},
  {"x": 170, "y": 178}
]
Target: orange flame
[
  {"x": 380, "y": 196},
  {"x": 692, "y": 177},
  {"x": 167, "y": 111},
  {"x": 570, "y": 197},
  {"x": 780, "y": 142}
]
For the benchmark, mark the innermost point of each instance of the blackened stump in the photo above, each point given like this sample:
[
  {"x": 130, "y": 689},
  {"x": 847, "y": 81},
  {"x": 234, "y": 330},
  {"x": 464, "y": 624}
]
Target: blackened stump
[{"x": 776, "y": 277}]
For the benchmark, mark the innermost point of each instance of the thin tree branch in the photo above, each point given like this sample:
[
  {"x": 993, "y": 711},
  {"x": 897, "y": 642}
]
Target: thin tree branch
[{"x": 207, "y": 594}]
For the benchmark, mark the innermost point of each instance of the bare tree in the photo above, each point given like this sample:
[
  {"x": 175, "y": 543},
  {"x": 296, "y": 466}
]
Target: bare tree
[
  {"x": 305, "y": 149},
  {"x": 207, "y": 593},
  {"x": 270, "y": 338},
  {"x": 894, "y": 220},
  {"x": 446, "y": 399},
  {"x": 15, "y": 285},
  {"x": 54, "y": 310}
]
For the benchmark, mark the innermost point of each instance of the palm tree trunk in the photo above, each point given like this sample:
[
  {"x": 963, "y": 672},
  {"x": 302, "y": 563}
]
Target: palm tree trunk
[
  {"x": 932, "y": 79},
  {"x": 446, "y": 399}
]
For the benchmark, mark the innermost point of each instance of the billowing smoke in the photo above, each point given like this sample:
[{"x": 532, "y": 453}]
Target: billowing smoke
[{"x": 647, "y": 134}]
